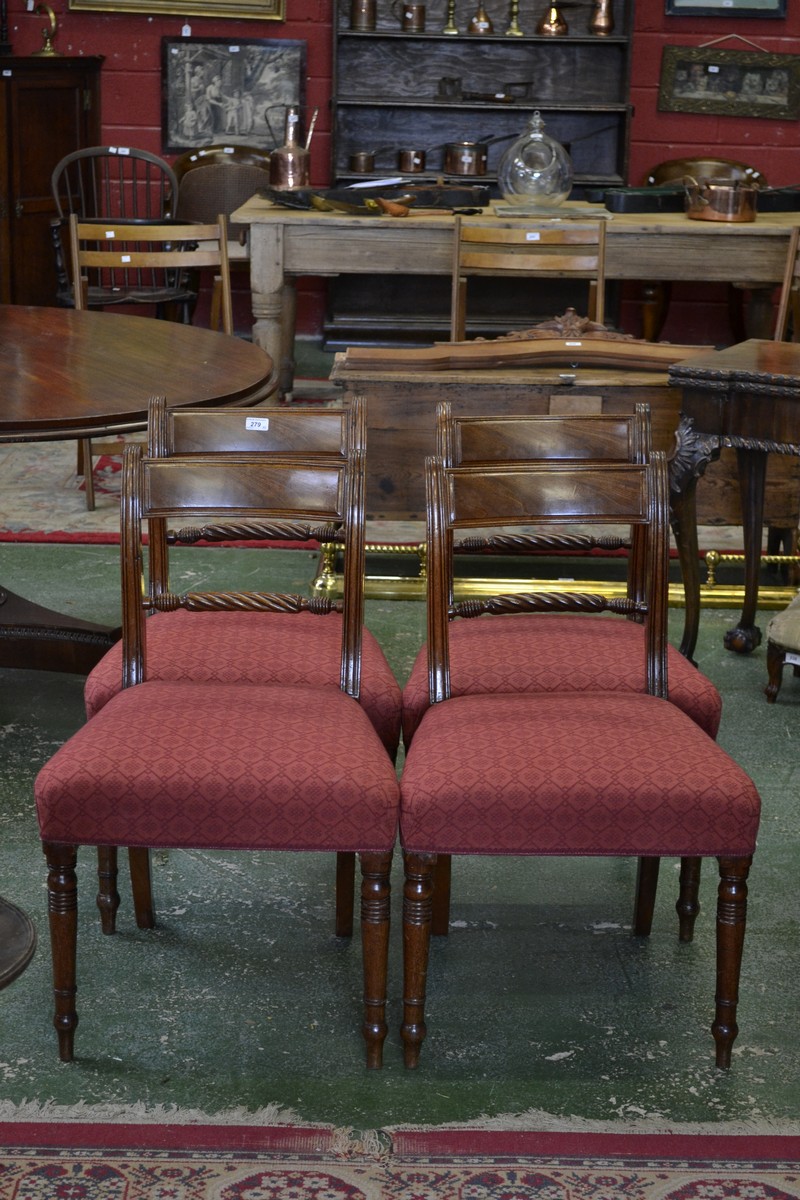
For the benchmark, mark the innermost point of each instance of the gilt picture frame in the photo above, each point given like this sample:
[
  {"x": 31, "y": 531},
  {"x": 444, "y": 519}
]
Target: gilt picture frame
[
  {"x": 729, "y": 83},
  {"x": 726, "y": 8},
  {"x": 228, "y": 90},
  {"x": 253, "y": 10}
]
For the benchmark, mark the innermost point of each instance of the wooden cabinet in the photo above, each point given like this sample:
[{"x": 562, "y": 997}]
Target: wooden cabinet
[
  {"x": 396, "y": 91},
  {"x": 48, "y": 107}
]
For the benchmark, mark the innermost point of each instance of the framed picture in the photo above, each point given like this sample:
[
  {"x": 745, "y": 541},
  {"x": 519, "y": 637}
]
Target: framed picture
[
  {"x": 261, "y": 10},
  {"x": 214, "y": 90},
  {"x": 726, "y": 8},
  {"x": 730, "y": 83}
]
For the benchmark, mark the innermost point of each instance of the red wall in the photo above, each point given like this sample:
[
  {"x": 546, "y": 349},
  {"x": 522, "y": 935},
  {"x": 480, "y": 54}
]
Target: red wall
[{"x": 131, "y": 115}]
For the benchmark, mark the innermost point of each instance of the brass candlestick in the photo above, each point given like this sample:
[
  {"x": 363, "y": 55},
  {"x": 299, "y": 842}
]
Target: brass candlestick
[
  {"x": 513, "y": 20},
  {"x": 450, "y": 26}
]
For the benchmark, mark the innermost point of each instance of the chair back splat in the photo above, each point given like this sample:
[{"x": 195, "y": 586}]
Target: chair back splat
[
  {"x": 527, "y": 249},
  {"x": 601, "y": 772},
  {"x": 224, "y": 763},
  {"x": 147, "y": 263}
]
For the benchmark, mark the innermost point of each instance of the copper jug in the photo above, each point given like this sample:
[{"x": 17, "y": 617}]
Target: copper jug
[
  {"x": 601, "y": 22},
  {"x": 289, "y": 163}
]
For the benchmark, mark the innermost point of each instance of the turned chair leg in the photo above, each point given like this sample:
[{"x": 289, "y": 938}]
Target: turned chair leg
[
  {"x": 731, "y": 921},
  {"x": 142, "y": 886},
  {"x": 345, "y": 887},
  {"x": 687, "y": 905},
  {"x": 375, "y": 914},
  {"x": 440, "y": 917},
  {"x": 645, "y": 898},
  {"x": 417, "y": 914},
  {"x": 62, "y": 907},
  {"x": 775, "y": 660},
  {"x": 107, "y": 894}
]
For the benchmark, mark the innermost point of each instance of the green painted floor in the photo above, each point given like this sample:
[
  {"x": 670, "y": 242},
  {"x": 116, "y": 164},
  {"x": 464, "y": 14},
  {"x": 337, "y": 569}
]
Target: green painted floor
[{"x": 540, "y": 1001}]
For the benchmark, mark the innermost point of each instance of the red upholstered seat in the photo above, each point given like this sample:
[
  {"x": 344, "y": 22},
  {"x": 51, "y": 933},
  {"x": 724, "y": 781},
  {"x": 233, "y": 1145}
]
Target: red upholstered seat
[
  {"x": 552, "y": 653},
  {"x": 190, "y": 765},
  {"x": 594, "y": 773},
  {"x": 257, "y": 648}
]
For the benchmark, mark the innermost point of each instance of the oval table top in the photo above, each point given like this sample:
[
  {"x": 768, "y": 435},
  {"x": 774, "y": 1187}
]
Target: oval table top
[{"x": 68, "y": 374}]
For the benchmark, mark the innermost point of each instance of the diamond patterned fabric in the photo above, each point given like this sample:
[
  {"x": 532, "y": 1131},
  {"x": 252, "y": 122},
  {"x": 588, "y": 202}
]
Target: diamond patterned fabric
[
  {"x": 551, "y": 653},
  {"x": 588, "y": 773},
  {"x": 258, "y": 648},
  {"x": 235, "y": 766}
]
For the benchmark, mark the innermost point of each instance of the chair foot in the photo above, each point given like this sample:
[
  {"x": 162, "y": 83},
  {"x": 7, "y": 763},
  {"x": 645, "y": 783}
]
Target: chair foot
[
  {"x": 62, "y": 907},
  {"x": 375, "y": 911},
  {"x": 731, "y": 921},
  {"x": 417, "y": 915},
  {"x": 688, "y": 903}
]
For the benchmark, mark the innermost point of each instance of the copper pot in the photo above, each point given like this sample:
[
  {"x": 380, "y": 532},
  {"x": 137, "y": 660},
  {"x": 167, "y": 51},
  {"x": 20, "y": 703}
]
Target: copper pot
[
  {"x": 411, "y": 161},
  {"x": 720, "y": 199},
  {"x": 466, "y": 158},
  {"x": 362, "y": 163}
]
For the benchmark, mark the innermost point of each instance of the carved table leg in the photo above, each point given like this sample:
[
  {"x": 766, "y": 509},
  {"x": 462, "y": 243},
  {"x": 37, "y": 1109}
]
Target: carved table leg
[
  {"x": 752, "y": 474},
  {"x": 692, "y": 455}
]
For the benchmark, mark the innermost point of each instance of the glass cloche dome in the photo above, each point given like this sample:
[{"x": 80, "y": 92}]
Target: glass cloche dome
[{"x": 535, "y": 169}]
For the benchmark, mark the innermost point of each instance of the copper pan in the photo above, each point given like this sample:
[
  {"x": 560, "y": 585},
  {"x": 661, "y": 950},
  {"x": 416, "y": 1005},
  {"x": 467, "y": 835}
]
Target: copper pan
[{"x": 720, "y": 199}]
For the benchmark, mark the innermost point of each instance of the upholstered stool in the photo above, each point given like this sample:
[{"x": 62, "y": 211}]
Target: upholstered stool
[{"x": 783, "y": 646}]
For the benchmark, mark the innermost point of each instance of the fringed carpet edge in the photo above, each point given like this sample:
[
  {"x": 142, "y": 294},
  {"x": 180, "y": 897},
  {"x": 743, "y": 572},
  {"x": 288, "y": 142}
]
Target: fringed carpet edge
[{"x": 245, "y": 1162}]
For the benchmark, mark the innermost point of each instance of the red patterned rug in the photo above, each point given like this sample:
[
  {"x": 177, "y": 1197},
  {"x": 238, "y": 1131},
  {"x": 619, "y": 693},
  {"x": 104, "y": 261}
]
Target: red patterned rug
[{"x": 40, "y": 1161}]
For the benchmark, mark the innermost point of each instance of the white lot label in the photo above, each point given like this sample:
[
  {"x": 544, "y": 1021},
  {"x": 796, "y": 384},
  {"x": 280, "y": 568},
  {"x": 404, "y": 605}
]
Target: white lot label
[{"x": 256, "y": 423}]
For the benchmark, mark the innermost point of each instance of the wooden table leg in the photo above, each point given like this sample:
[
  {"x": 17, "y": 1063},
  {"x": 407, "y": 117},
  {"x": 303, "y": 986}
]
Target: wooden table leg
[
  {"x": 752, "y": 475},
  {"x": 273, "y": 302},
  {"x": 684, "y": 526}
]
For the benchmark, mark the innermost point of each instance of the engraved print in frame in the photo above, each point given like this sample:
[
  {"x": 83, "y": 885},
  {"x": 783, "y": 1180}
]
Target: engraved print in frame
[
  {"x": 228, "y": 90},
  {"x": 729, "y": 83}
]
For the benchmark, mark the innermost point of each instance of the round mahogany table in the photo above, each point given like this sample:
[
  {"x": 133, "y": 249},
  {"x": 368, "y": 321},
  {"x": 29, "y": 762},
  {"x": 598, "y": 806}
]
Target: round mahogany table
[
  {"x": 17, "y": 941},
  {"x": 67, "y": 374}
]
